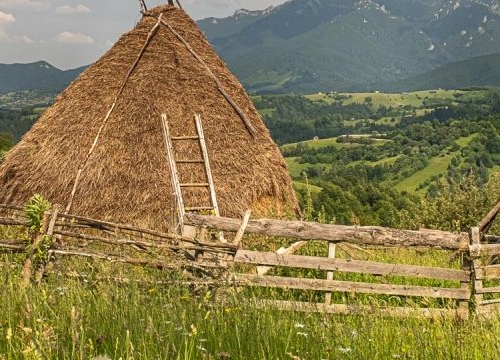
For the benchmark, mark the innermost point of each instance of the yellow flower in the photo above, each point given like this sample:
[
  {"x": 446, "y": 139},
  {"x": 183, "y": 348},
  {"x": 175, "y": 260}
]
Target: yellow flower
[{"x": 194, "y": 330}]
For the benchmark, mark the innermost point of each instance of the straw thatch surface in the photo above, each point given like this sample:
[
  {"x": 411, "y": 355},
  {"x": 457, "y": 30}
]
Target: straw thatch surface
[{"x": 127, "y": 177}]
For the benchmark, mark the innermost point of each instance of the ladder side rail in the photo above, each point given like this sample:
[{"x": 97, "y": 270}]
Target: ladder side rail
[
  {"x": 174, "y": 173},
  {"x": 208, "y": 171}
]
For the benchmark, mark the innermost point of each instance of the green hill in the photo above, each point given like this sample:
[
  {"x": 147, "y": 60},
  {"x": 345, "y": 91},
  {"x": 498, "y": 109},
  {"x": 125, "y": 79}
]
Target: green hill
[
  {"x": 35, "y": 76},
  {"x": 477, "y": 71}
]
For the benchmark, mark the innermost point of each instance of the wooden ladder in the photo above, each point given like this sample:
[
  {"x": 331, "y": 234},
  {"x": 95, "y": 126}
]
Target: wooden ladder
[{"x": 176, "y": 183}]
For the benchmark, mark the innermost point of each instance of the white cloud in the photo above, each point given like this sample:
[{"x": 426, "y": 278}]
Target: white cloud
[
  {"x": 77, "y": 9},
  {"x": 74, "y": 38},
  {"x": 36, "y": 5},
  {"x": 26, "y": 39},
  {"x": 6, "y": 18},
  {"x": 5, "y": 21}
]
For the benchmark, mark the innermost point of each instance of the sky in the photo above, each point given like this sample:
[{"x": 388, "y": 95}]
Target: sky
[{"x": 69, "y": 34}]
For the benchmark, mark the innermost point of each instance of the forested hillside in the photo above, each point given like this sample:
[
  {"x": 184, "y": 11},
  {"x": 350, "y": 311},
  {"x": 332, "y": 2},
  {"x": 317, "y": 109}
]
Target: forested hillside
[{"x": 374, "y": 160}]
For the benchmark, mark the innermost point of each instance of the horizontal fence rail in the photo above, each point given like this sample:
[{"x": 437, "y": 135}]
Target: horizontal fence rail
[
  {"x": 354, "y": 266},
  {"x": 477, "y": 282},
  {"x": 359, "y": 235}
]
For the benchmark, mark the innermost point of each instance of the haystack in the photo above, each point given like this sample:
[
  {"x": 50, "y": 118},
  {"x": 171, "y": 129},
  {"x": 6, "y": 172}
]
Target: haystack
[{"x": 99, "y": 149}]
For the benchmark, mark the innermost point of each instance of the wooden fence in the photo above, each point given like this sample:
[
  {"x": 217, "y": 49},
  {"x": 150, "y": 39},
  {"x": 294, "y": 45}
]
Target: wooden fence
[{"x": 473, "y": 286}]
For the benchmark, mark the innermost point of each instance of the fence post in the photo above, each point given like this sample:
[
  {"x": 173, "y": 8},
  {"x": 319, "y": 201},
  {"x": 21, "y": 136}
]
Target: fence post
[
  {"x": 32, "y": 250},
  {"x": 50, "y": 232},
  {"x": 475, "y": 254},
  {"x": 466, "y": 265},
  {"x": 329, "y": 274}
]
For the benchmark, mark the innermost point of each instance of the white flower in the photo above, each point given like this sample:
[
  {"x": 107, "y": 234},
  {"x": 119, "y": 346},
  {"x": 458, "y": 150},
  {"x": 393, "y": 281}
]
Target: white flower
[
  {"x": 302, "y": 334},
  {"x": 345, "y": 350},
  {"x": 299, "y": 326}
]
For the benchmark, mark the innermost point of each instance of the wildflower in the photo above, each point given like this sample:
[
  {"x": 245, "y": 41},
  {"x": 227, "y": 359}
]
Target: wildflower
[
  {"x": 194, "y": 330},
  {"x": 101, "y": 357},
  {"x": 299, "y": 326},
  {"x": 293, "y": 357},
  {"x": 354, "y": 333},
  {"x": 396, "y": 356},
  {"x": 345, "y": 350},
  {"x": 8, "y": 337},
  {"x": 201, "y": 348},
  {"x": 302, "y": 334}
]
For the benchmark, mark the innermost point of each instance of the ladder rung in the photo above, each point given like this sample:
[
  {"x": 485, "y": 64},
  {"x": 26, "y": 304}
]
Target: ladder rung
[
  {"x": 193, "y": 137},
  {"x": 194, "y": 185},
  {"x": 190, "y": 161},
  {"x": 198, "y": 208}
]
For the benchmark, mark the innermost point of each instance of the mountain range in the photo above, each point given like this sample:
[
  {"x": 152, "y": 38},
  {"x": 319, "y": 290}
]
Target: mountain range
[
  {"x": 305, "y": 46},
  {"x": 39, "y": 75},
  {"x": 350, "y": 45}
]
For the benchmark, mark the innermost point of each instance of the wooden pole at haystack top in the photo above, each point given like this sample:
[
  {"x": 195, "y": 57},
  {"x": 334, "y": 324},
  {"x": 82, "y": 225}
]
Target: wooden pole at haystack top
[{"x": 144, "y": 8}]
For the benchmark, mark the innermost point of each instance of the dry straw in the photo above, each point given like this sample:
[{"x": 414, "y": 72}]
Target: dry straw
[{"x": 125, "y": 176}]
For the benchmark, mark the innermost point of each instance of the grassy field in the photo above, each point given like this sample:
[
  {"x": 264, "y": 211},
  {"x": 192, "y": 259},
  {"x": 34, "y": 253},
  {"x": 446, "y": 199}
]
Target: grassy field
[
  {"x": 92, "y": 319},
  {"x": 296, "y": 169},
  {"x": 437, "y": 165},
  {"x": 413, "y": 99},
  {"x": 315, "y": 144}
]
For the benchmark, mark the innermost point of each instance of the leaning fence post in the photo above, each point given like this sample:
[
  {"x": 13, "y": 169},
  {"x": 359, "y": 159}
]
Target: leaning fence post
[{"x": 475, "y": 254}]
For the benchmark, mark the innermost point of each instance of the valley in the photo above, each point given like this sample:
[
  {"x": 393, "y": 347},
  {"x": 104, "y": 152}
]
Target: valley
[{"x": 383, "y": 153}]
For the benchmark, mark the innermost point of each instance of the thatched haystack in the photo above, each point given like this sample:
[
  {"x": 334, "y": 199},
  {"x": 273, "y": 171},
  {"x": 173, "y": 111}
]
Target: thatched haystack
[{"x": 125, "y": 176}]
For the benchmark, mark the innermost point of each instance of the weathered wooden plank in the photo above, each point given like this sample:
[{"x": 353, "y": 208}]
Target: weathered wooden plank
[
  {"x": 344, "y": 309},
  {"x": 13, "y": 247},
  {"x": 485, "y": 223},
  {"x": 11, "y": 207},
  {"x": 11, "y": 221},
  {"x": 491, "y": 301},
  {"x": 486, "y": 249},
  {"x": 489, "y": 310},
  {"x": 361, "y": 235},
  {"x": 492, "y": 239},
  {"x": 158, "y": 245},
  {"x": 349, "y": 286},
  {"x": 355, "y": 266},
  {"x": 490, "y": 272},
  {"x": 488, "y": 290},
  {"x": 78, "y": 221},
  {"x": 172, "y": 265}
]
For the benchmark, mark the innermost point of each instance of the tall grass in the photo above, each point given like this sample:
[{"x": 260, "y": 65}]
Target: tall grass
[{"x": 72, "y": 319}]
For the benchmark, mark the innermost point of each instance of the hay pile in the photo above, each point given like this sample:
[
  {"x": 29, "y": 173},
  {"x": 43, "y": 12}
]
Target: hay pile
[{"x": 126, "y": 178}]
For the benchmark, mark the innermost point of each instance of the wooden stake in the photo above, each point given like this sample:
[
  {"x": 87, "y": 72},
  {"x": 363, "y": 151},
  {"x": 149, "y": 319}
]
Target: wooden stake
[
  {"x": 28, "y": 264},
  {"x": 105, "y": 121},
  {"x": 329, "y": 274},
  {"x": 475, "y": 254},
  {"x": 241, "y": 230}
]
